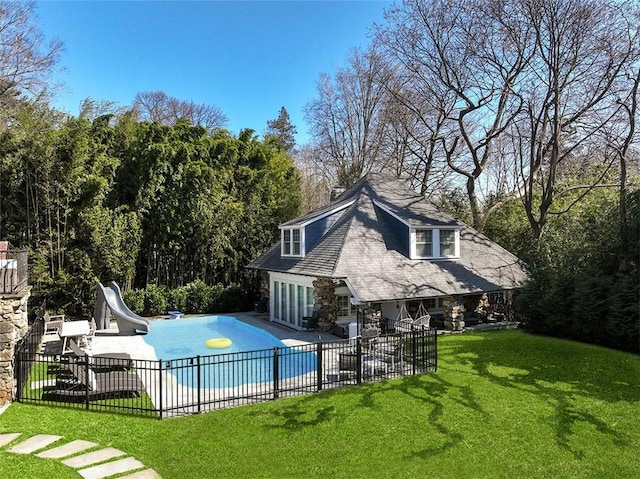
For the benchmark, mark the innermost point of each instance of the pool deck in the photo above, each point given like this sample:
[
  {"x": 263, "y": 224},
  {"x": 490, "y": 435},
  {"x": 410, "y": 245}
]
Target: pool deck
[{"x": 111, "y": 341}]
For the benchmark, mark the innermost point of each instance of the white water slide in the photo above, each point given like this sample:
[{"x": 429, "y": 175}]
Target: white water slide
[{"x": 128, "y": 321}]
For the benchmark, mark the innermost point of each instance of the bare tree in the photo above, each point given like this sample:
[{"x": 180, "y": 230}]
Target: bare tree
[
  {"x": 459, "y": 61},
  {"x": 570, "y": 91},
  {"x": 623, "y": 148},
  {"x": 159, "y": 107},
  {"x": 346, "y": 120},
  {"x": 505, "y": 92},
  {"x": 315, "y": 189},
  {"x": 417, "y": 127},
  {"x": 26, "y": 59}
]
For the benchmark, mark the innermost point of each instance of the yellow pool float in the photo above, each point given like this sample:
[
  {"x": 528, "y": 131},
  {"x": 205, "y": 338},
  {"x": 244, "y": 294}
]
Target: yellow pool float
[{"x": 217, "y": 343}]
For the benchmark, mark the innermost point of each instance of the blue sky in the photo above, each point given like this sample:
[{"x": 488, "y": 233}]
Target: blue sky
[{"x": 247, "y": 57}]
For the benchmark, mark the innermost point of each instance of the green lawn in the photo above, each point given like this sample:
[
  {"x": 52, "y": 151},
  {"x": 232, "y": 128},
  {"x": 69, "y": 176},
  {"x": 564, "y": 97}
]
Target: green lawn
[{"x": 503, "y": 404}]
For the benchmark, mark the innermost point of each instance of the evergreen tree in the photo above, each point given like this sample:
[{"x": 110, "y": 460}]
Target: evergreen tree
[{"x": 281, "y": 132}]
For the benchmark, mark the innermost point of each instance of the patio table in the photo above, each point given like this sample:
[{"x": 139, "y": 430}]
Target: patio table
[{"x": 74, "y": 330}]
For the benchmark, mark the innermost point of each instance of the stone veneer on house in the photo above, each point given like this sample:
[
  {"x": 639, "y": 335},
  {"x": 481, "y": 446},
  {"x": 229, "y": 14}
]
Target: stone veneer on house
[
  {"x": 324, "y": 296},
  {"x": 13, "y": 326}
]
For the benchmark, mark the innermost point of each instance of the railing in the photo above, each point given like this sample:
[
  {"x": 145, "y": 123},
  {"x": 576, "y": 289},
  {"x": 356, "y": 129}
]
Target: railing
[
  {"x": 29, "y": 345},
  {"x": 13, "y": 270},
  {"x": 162, "y": 388}
]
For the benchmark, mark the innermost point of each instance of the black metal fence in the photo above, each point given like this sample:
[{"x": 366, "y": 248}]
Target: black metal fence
[
  {"x": 29, "y": 342},
  {"x": 13, "y": 270},
  {"x": 162, "y": 388}
]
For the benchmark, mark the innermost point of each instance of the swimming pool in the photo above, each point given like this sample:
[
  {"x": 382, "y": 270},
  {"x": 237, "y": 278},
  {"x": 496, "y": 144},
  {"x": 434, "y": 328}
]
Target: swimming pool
[{"x": 249, "y": 359}]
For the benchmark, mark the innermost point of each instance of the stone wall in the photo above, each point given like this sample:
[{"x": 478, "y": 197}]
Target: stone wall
[
  {"x": 324, "y": 296},
  {"x": 453, "y": 310},
  {"x": 371, "y": 318},
  {"x": 13, "y": 326},
  {"x": 263, "y": 284}
]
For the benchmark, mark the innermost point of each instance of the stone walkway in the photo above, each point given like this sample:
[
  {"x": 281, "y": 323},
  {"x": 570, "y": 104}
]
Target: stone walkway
[{"x": 86, "y": 457}]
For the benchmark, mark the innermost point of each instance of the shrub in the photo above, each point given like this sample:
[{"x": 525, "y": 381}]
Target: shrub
[
  {"x": 177, "y": 299},
  {"x": 134, "y": 299},
  {"x": 198, "y": 297},
  {"x": 232, "y": 298},
  {"x": 582, "y": 306},
  {"x": 155, "y": 300}
]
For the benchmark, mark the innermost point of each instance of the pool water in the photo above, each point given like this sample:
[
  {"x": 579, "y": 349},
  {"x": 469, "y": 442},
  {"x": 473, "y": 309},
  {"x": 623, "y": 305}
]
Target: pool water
[{"x": 220, "y": 367}]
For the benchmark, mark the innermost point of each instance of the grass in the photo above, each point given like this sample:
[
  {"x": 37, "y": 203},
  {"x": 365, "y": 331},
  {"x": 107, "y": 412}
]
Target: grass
[{"x": 503, "y": 404}]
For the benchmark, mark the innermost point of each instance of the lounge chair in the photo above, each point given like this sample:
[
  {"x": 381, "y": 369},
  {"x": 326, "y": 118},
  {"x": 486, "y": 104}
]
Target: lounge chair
[
  {"x": 98, "y": 386},
  {"x": 108, "y": 361}
]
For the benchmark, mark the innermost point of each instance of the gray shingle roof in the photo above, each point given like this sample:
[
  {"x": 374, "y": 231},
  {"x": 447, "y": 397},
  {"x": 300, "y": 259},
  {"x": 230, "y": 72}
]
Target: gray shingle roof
[{"x": 363, "y": 249}]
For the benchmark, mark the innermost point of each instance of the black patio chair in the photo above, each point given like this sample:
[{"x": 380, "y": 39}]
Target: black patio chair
[{"x": 310, "y": 322}]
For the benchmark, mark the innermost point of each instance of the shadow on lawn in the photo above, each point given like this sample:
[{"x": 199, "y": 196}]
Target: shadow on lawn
[
  {"x": 560, "y": 372},
  {"x": 429, "y": 389}
]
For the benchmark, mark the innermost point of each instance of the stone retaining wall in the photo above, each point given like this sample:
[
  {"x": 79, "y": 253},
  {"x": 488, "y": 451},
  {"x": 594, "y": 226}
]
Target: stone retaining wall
[{"x": 13, "y": 326}]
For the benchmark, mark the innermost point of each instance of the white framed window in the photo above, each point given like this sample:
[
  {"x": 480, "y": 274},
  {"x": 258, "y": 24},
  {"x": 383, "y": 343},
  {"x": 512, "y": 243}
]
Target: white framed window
[
  {"x": 432, "y": 303},
  {"x": 343, "y": 304},
  {"x": 276, "y": 299},
  {"x": 447, "y": 243},
  {"x": 424, "y": 243},
  {"x": 310, "y": 301},
  {"x": 292, "y": 242},
  {"x": 284, "y": 298},
  {"x": 433, "y": 243}
]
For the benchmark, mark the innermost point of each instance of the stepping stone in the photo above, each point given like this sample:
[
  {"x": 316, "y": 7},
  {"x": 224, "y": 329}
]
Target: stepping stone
[
  {"x": 8, "y": 437},
  {"x": 146, "y": 474},
  {"x": 93, "y": 457},
  {"x": 67, "y": 449},
  {"x": 110, "y": 468},
  {"x": 34, "y": 443}
]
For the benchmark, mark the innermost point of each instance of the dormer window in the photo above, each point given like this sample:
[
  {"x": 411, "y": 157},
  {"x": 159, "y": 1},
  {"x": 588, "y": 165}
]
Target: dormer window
[
  {"x": 429, "y": 243},
  {"x": 447, "y": 243},
  {"x": 291, "y": 242},
  {"x": 424, "y": 243}
]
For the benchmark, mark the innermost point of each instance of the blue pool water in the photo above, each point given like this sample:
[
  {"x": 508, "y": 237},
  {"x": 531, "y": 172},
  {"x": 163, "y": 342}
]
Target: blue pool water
[{"x": 245, "y": 361}]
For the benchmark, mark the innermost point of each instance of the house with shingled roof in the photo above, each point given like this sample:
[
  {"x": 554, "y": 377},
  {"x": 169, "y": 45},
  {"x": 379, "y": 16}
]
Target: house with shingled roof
[{"x": 382, "y": 248}]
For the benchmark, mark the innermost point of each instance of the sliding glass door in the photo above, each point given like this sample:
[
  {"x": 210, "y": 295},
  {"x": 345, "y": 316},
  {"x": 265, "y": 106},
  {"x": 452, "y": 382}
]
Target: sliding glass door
[{"x": 291, "y": 298}]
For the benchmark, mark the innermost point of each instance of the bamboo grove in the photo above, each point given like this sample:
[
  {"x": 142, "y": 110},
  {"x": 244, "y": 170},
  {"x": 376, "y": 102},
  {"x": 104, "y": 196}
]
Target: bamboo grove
[{"x": 138, "y": 202}]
